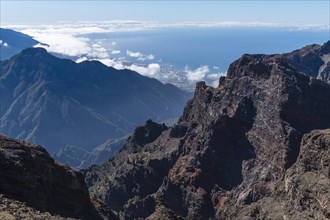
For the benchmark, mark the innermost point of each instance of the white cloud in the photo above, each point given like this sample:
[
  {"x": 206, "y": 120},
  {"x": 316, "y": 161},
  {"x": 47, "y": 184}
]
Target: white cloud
[
  {"x": 150, "y": 57},
  {"x": 113, "y": 63},
  {"x": 213, "y": 79},
  {"x": 115, "y": 52},
  {"x": 139, "y": 56},
  {"x": 151, "y": 70},
  {"x": 98, "y": 52},
  {"x": 81, "y": 59},
  {"x": 134, "y": 54},
  {"x": 3, "y": 43},
  {"x": 197, "y": 74},
  {"x": 64, "y": 44}
]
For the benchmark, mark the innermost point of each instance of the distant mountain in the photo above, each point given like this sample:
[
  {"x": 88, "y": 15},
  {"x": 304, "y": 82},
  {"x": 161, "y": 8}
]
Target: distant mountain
[
  {"x": 80, "y": 158},
  {"x": 243, "y": 150},
  {"x": 57, "y": 102},
  {"x": 13, "y": 42}
]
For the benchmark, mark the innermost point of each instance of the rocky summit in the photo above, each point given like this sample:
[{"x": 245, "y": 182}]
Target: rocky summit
[
  {"x": 245, "y": 149},
  {"x": 29, "y": 175}
]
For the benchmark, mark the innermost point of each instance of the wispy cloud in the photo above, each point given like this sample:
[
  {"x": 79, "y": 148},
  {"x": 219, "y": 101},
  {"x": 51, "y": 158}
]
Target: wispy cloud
[
  {"x": 86, "y": 27},
  {"x": 115, "y": 52},
  {"x": 152, "y": 70}
]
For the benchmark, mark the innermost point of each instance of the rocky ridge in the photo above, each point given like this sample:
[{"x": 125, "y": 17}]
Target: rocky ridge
[
  {"x": 313, "y": 59},
  {"x": 28, "y": 174},
  {"x": 304, "y": 192},
  {"x": 233, "y": 146}
]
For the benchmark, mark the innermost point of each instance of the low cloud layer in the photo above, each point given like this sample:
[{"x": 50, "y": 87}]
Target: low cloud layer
[{"x": 70, "y": 40}]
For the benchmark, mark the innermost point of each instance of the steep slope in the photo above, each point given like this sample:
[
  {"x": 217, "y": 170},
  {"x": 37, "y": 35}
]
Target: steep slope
[
  {"x": 314, "y": 60},
  {"x": 57, "y": 102},
  {"x": 231, "y": 147},
  {"x": 304, "y": 193},
  {"x": 28, "y": 174},
  {"x": 13, "y": 42}
]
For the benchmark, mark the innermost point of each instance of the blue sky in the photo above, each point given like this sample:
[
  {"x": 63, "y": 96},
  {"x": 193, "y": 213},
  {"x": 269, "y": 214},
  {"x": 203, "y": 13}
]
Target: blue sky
[{"x": 48, "y": 12}]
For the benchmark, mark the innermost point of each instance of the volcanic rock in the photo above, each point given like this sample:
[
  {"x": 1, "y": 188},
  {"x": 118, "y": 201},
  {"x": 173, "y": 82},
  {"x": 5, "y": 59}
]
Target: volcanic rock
[
  {"x": 232, "y": 146},
  {"x": 28, "y": 174}
]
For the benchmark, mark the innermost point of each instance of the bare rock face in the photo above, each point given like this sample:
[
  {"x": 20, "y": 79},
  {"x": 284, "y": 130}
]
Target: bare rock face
[
  {"x": 30, "y": 175},
  {"x": 232, "y": 146},
  {"x": 136, "y": 171},
  {"x": 313, "y": 60},
  {"x": 303, "y": 194}
]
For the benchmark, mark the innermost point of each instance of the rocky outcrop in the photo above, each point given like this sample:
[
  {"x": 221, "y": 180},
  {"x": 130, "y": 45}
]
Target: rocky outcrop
[
  {"x": 11, "y": 209},
  {"x": 313, "y": 60},
  {"x": 303, "y": 194},
  {"x": 30, "y": 175},
  {"x": 233, "y": 145},
  {"x": 136, "y": 171}
]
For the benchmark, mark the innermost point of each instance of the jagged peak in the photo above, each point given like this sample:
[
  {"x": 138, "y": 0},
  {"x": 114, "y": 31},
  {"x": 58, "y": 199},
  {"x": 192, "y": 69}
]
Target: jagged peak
[
  {"x": 147, "y": 133},
  {"x": 325, "y": 48},
  {"x": 35, "y": 51}
]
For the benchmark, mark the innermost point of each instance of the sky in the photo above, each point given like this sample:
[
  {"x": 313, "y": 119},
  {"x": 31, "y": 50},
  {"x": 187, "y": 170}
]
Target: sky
[{"x": 49, "y": 12}]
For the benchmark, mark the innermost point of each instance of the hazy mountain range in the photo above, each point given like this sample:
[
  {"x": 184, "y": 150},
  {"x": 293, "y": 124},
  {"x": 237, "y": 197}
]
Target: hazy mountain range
[{"x": 57, "y": 102}]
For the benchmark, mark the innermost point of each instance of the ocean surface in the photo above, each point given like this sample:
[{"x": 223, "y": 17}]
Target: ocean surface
[{"x": 196, "y": 47}]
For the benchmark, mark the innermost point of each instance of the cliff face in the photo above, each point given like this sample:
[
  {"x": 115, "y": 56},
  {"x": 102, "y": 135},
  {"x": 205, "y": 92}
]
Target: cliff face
[
  {"x": 313, "y": 60},
  {"x": 28, "y": 174},
  {"x": 232, "y": 146},
  {"x": 303, "y": 194}
]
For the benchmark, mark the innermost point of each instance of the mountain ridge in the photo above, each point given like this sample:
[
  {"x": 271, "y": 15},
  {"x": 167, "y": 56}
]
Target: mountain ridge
[
  {"x": 57, "y": 102},
  {"x": 231, "y": 147}
]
